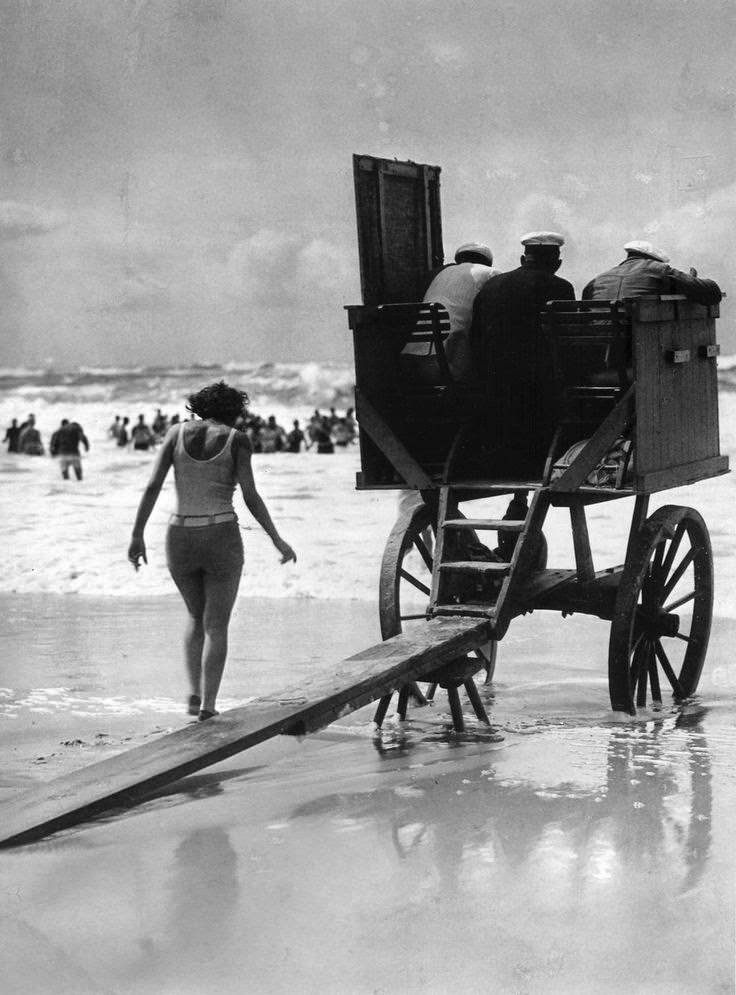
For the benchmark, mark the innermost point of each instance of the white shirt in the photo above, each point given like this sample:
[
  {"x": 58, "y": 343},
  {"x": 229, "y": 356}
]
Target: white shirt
[{"x": 455, "y": 288}]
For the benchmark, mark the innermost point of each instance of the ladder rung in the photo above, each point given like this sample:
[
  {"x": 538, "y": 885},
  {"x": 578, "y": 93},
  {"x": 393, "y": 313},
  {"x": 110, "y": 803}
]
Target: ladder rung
[
  {"x": 477, "y": 566},
  {"x": 496, "y": 524}
]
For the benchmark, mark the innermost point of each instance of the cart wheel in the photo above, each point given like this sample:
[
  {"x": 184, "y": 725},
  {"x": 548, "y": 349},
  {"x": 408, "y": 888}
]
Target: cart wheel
[
  {"x": 406, "y": 575},
  {"x": 670, "y": 567}
]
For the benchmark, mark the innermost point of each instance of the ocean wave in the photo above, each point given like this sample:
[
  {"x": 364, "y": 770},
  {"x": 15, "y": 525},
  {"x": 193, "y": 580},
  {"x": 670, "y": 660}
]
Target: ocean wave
[
  {"x": 308, "y": 384},
  {"x": 311, "y": 384}
]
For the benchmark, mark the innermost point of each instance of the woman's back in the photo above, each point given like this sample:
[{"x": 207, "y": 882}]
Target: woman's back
[{"x": 204, "y": 468}]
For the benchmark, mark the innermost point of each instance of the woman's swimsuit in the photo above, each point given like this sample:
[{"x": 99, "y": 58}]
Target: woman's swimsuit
[{"x": 203, "y": 535}]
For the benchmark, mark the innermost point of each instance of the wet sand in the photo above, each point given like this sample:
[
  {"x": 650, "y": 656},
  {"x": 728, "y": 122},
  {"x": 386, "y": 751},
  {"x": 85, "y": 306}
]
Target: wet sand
[{"x": 569, "y": 851}]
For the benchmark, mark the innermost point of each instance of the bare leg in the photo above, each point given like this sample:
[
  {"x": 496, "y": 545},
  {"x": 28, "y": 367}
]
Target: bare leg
[
  {"x": 192, "y": 589},
  {"x": 220, "y": 593}
]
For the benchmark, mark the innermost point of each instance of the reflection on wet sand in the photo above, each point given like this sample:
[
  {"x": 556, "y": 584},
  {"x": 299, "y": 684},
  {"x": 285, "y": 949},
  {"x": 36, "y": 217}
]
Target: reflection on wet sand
[
  {"x": 565, "y": 856},
  {"x": 652, "y": 805},
  {"x": 606, "y": 857},
  {"x": 201, "y": 898}
]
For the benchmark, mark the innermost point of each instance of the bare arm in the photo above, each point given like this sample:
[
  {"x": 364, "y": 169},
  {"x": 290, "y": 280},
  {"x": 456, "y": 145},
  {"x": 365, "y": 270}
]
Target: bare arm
[
  {"x": 137, "y": 548},
  {"x": 253, "y": 500}
]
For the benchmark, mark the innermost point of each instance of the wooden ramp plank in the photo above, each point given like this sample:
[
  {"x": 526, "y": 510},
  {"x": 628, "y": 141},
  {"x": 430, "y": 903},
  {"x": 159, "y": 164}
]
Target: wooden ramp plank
[{"x": 317, "y": 701}]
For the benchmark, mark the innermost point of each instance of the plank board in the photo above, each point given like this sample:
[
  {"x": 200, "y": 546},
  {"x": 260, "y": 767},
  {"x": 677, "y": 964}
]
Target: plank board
[{"x": 129, "y": 776}]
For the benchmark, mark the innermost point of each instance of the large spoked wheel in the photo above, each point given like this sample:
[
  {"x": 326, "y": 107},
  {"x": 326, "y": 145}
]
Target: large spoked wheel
[
  {"x": 406, "y": 576},
  {"x": 664, "y": 606}
]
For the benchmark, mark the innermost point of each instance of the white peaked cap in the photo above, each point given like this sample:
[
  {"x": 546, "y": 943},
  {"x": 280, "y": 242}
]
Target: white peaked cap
[
  {"x": 542, "y": 238},
  {"x": 478, "y": 248},
  {"x": 647, "y": 249}
]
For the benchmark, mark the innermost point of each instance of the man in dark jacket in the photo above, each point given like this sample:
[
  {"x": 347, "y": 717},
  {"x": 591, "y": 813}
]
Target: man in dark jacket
[
  {"x": 646, "y": 271},
  {"x": 65, "y": 444},
  {"x": 511, "y": 352}
]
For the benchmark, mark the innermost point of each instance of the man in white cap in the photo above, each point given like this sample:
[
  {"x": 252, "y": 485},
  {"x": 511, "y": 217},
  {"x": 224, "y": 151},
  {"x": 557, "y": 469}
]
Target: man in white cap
[
  {"x": 646, "y": 271},
  {"x": 455, "y": 286},
  {"x": 510, "y": 351}
]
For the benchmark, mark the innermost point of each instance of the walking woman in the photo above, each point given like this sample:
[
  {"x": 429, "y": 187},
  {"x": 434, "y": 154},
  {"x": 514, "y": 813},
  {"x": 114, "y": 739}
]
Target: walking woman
[{"x": 204, "y": 549}]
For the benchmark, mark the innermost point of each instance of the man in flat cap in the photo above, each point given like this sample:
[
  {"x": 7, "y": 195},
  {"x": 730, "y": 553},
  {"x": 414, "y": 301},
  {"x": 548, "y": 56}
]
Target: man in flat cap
[
  {"x": 645, "y": 271},
  {"x": 510, "y": 351},
  {"x": 455, "y": 286}
]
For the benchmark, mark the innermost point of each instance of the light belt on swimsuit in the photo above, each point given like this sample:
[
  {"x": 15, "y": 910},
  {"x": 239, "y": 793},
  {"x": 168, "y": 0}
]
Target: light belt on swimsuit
[{"x": 198, "y": 521}]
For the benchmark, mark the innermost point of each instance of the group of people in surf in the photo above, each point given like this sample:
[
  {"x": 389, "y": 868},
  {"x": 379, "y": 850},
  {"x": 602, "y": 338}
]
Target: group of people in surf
[
  {"x": 322, "y": 431},
  {"x": 141, "y": 435},
  {"x": 24, "y": 437}
]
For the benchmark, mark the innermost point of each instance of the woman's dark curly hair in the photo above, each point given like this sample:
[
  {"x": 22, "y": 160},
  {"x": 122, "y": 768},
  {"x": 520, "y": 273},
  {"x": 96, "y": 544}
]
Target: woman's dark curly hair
[{"x": 218, "y": 401}]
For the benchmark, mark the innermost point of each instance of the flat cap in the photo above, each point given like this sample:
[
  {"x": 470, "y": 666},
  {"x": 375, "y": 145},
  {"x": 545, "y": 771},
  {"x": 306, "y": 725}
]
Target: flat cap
[
  {"x": 646, "y": 249},
  {"x": 477, "y": 248},
  {"x": 543, "y": 238}
]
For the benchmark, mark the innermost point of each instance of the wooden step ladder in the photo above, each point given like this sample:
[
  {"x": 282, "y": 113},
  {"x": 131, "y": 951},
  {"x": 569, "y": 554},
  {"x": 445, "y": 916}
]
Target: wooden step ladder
[{"x": 496, "y": 582}]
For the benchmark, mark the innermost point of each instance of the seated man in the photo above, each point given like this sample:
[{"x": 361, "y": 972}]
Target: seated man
[
  {"x": 455, "y": 287},
  {"x": 646, "y": 271},
  {"x": 511, "y": 354}
]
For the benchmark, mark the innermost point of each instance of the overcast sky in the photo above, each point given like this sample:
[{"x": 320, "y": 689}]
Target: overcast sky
[{"x": 177, "y": 176}]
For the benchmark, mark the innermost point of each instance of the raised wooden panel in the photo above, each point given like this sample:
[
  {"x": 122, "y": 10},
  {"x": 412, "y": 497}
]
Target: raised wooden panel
[
  {"x": 399, "y": 227},
  {"x": 677, "y": 386}
]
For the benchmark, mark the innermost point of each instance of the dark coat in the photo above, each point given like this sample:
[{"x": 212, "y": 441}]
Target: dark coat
[
  {"x": 638, "y": 276},
  {"x": 513, "y": 358},
  {"x": 66, "y": 440}
]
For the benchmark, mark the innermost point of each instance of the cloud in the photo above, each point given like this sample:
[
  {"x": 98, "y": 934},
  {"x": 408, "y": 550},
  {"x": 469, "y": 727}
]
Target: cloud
[
  {"x": 323, "y": 268},
  {"x": 699, "y": 232},
  {"x": 18, "y": 219},
  {"x": 136, "y": 293},
  {"x": 260, "y": 269},
  {"x": 275, "y": 268}
]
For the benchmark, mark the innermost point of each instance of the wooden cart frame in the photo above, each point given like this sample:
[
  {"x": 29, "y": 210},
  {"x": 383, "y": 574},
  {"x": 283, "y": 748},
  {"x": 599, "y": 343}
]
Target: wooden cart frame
[{"x": 637, "y": 376}]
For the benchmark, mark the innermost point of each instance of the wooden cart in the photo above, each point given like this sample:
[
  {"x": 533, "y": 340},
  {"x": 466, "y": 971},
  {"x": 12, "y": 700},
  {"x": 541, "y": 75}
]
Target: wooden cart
[{"x": 637, "y": 414}]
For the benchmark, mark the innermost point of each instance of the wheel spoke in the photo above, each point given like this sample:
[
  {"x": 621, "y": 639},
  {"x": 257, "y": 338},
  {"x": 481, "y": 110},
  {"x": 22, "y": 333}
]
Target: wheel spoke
[
  {"x": 635, "y": 647},
  {"x": 672, "y": 551},
  {"x": 680, "y": 601},
  {"x": 643, "y": 669},
  {"x": 423, "y": 552},
  {"x": 685, "y": 639},
  {"x": 414, "y": 582},
  {"x": 654, "y": 569},
  {"x": 684, "y": 564},
  {"x": 635, "y": 668},
  {"x": 667, "y": 668},
  {"x": 658, "y": 556},
  {"x": 654, "y": 678}
]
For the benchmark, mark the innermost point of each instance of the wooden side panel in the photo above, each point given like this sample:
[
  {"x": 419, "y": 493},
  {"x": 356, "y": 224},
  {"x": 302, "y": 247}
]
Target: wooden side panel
[
  {"x": 415, "y": 412},
  {"x": 677, "y": 387},
  {"x": 399, "y": 227},
  {"x": 377, "y": 345}
]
